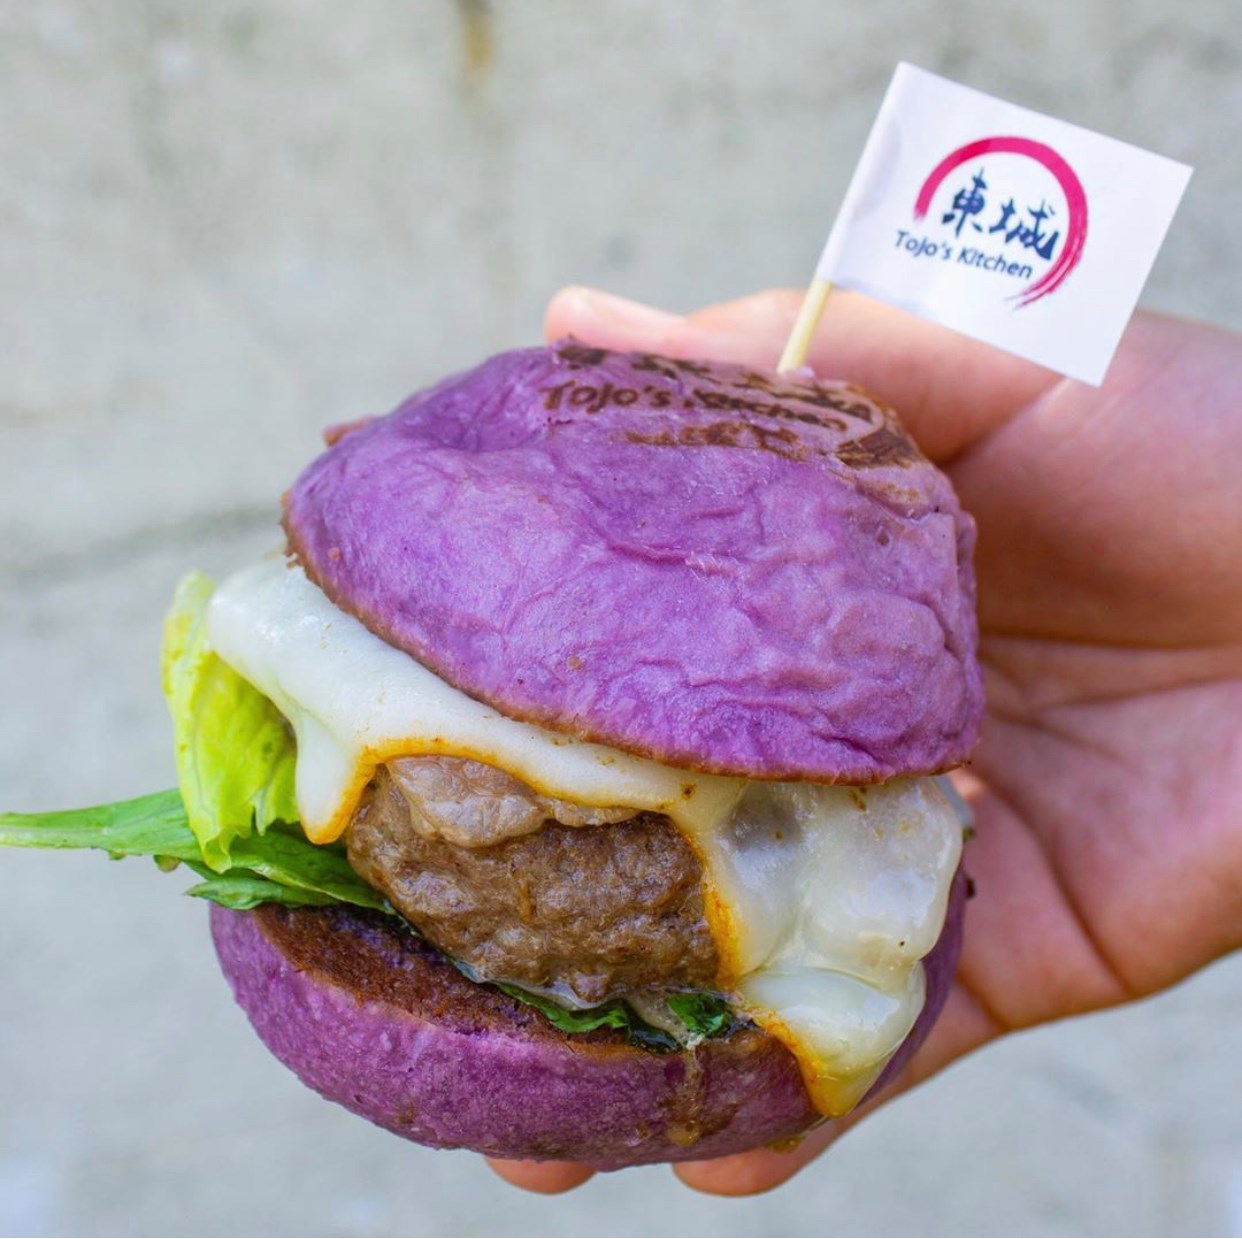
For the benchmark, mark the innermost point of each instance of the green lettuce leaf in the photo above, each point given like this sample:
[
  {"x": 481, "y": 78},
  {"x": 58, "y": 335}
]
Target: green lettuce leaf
[
  {"x": 152, "y": 825},
  {"x": 281, "y": 865},
  {"x": 701, "y": 1015},
  {"x": 285, "y": 856},
  {"x": 244, "y": 891},
  {"x": 704, "y": 1015},
  {"x": 236, "y": 755},
  {"x": 611, "y": 1015}
]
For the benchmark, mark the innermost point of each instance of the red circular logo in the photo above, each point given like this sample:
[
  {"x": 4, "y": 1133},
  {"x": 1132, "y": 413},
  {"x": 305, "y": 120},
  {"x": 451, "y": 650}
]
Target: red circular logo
[{"x": 1067, "y": 178}]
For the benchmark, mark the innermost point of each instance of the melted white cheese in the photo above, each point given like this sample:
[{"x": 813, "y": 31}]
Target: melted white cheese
[
  {"x": 822, "y": 900},
  {"x": 834, "y": 895}
]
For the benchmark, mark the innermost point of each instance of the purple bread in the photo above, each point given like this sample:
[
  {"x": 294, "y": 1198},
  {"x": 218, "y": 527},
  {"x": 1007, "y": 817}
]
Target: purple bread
[
  {"x": 737, "y": 572},
  {"x": 373, "y": 1019}
]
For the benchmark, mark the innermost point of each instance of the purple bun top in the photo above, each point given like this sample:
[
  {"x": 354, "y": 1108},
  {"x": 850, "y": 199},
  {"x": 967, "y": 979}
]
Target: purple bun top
[{"x": 738, "y": 572}]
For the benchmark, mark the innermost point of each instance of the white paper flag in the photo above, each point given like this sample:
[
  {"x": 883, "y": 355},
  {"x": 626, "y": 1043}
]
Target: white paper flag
[{"x": 1010, "y": 226}]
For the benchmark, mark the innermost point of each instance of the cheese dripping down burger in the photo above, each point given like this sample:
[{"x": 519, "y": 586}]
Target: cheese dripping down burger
[{"x": 622, "y": 683}]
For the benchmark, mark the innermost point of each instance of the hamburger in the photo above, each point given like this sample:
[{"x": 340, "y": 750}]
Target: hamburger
[{"x": 568, "y": 786}]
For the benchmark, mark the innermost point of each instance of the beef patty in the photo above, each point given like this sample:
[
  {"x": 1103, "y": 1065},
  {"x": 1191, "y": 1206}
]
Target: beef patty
[{"x": 587, "y": 912}]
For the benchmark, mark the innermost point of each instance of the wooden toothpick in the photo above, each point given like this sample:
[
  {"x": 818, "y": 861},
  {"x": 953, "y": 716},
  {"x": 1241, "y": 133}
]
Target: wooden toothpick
[{"x": 804, "y": 325}]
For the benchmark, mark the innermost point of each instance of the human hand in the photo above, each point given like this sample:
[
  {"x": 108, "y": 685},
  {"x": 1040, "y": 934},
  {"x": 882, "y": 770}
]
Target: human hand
[{"x": 1107, "y": 786}]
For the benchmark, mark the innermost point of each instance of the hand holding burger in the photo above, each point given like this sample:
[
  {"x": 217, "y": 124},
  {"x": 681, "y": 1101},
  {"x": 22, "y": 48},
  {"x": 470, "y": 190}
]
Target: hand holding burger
[
  {"x": 567, "y": 789},
  {"x": 1107, "y": 788}
]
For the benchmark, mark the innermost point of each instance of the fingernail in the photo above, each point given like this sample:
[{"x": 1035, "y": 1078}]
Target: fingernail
[{"x": 622, "y": 310}]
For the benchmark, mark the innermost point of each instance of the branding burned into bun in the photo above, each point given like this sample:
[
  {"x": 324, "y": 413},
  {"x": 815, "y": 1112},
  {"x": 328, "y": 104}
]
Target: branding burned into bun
[{"x": 610, "y": 691}]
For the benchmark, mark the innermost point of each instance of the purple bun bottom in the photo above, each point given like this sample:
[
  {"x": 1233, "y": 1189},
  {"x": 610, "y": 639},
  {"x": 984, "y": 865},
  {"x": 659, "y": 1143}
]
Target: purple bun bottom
[{"x": 454, "y": 1067}]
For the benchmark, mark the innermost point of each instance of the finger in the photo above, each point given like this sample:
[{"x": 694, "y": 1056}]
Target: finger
[
  {"x": 760, "y": 1170},
  {"x": 948, "y": 389},
  {"x": 548, "y": 1178}
]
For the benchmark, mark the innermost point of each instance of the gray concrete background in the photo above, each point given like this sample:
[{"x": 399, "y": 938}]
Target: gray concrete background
[{"x": 226, "y": 225}]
